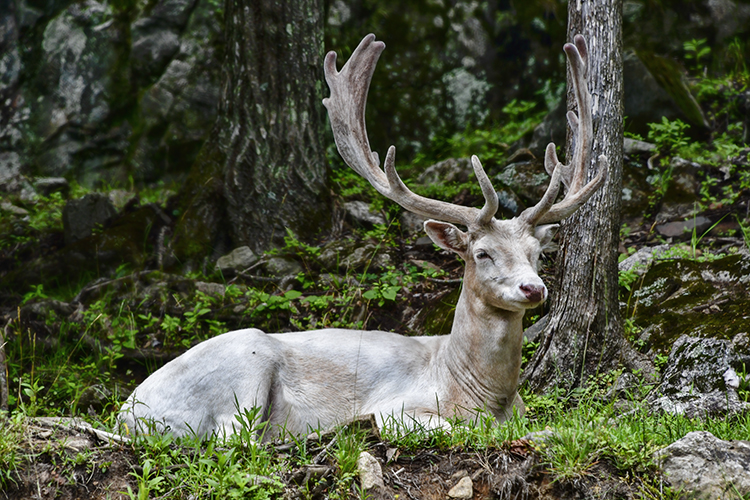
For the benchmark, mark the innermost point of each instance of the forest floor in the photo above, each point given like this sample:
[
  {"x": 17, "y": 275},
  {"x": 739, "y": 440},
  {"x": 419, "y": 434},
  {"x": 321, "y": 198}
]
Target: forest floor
[{"x": 65, "y": 458}]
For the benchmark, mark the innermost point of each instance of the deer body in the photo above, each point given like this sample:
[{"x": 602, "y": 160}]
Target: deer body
[{"x": 308, "y": 380}]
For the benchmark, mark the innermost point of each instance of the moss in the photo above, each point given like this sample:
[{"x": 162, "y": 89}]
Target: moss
[
  {"x": 202, "y": 220},
  {"x": 669, "y": 75},
  {"x": 127, "y": 241},
  {"x": 704, "y": 299}
]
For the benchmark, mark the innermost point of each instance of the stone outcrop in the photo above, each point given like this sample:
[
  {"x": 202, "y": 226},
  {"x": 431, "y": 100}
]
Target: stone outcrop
[
  {"x": 700, "y": 466},
  {"x": 701, "y": 378}
]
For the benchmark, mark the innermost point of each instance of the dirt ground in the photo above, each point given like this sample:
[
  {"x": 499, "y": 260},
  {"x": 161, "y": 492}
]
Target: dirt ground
[{"x": 66, "y": 459}]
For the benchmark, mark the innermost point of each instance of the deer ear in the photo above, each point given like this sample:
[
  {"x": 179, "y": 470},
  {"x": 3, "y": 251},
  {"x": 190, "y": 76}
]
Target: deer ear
[
  {"x": 545, "y": 234},
  {"x": 446, "y": 236}
]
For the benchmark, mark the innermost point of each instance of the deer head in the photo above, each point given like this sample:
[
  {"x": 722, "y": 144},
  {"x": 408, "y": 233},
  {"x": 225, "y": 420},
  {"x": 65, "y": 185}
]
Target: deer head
[{"x": 501, "y": 255}]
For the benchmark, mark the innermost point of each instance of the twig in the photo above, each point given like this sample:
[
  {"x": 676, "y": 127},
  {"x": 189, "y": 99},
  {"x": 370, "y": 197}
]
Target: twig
[
  {"x": 320, "y": 456},
  {"x": 446, "y": 281}
]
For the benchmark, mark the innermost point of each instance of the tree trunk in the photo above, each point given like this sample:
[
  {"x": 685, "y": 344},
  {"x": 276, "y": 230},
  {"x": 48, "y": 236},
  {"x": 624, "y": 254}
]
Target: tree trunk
[
  {"x": 583, "y": 335},
  {"x": 263, "y": 168}
]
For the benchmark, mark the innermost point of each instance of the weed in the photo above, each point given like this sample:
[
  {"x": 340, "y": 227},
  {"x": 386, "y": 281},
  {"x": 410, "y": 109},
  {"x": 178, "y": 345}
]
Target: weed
[
  {"x": 10, "y": 452},
  {"x": 696, "y": 51},
  {"x": 669, "y": 135}
]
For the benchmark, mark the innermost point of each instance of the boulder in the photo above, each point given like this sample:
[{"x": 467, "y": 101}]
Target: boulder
[
  {"x": 452, "y": 170},
  {"x": 10, "y": 171},
  {"x": 654, "y": 88},
  {"x": 700, "y": 379},
  {"x": 680, "y": 295},
  {"x": 642, "y": 259},
  {"x": 701, "y": 466},
  {"x": 82, "y": 215},
  {"x": 352, "y": 255},
  {"x": 238, "y": 259},
  {"x": 283, "y": 266},
  {"x": 48, "y": 185},
  {"x": 359, "y": 212}
]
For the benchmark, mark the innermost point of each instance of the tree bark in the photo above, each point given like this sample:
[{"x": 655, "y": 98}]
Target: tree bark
[
  {"x": 263, "y": 169},
  {"x": 583, "y": 335}
]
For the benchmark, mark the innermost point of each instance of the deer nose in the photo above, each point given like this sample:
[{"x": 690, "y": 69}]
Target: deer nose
[{"x": 534, "y": 293}]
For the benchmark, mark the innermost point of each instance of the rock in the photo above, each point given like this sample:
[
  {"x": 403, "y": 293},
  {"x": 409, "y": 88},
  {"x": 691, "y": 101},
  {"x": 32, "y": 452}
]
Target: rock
[
  {"x": 510, "y": 204},
  {"x": 684, "y": 229},
  {"x": 82, "y": 215},
  {"x": 552, "y": 129},
  {"x": 44, "y": 309},
  {"x": 695, "y": 381},
  {"x": 452, "y": 170},
  {"x": 527, "y": 179},
  {"x": 120, "y": 197},
  {"x": 238, "y": 259},
  {"x": 463, "y": 489},
  {"x": 641, "y": 260},
  {"x": 10, "y": 171},
  {"x": 634, "y": 146},
  {"x": 283, "y": 266},
  {"x": 542, "y": 437},
  {"x": 411, "y": 223},
  {"x": 94, "y": 398},
  {"x": 215, "y": 289},
  {"x": 48, "y": 185},
  {"x": 72, "y": 70},
  {"x": 684, "y": 185},
  {"x": 353, "y": 255},
  {"x": 654, "y": 89},
  {"x": 12, "y": 209},
  {"x": 370, "y": 472},
  {"x": 360, "y": 213},
  {"x": 703, "y": 467},
  {"x": 683, "y": 296}
]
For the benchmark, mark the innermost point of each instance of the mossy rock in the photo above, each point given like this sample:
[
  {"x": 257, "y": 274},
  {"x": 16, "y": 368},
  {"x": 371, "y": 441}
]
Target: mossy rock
[
  {"x": 126, "y": 241},
  {"x": 677, "y": 297}
]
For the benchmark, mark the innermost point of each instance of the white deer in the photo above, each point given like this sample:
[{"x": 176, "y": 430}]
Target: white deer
[{"x": 316, "y": 379}]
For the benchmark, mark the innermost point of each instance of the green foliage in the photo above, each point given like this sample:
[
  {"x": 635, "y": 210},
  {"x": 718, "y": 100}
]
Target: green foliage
[
  {"x": 11, "y": 435},
  {"x": 233, "y": 467},
  {"x": 491, "y": 143},
  {"x": 696, "y": 51},
  {"x": 669, "y": 135}
]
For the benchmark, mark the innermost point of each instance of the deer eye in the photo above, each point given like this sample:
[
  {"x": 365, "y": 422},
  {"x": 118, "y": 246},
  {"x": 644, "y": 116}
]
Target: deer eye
[{"x": 481, "y": 255}]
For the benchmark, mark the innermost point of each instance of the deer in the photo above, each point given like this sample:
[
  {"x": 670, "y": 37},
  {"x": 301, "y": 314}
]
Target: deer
[{"x": 299, "y": 382}]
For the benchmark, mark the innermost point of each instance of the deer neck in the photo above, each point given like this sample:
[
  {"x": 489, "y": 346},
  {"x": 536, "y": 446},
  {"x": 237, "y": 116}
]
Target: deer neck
[{"x": 481, "y": 359}]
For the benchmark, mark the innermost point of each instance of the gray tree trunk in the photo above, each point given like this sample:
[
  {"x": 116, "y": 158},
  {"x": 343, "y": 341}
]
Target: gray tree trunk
[
  {"x": 583, "y": 335},
  {"x": 263, "y": 170},
  {"x": 275, "y": 176}
]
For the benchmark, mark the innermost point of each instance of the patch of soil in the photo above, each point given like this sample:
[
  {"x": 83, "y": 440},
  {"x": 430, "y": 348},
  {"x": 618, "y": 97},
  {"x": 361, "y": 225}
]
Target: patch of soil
[
  {"x": 67, "y": 460},
  {"x": 64, "y": 462}
]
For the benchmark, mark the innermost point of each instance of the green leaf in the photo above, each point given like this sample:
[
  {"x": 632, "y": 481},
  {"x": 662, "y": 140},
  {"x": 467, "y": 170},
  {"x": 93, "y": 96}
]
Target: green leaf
[
  {"x": 390, "y": 292},
  {"x": 293, "y": 294}
]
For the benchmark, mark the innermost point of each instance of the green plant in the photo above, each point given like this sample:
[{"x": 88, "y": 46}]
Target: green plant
[
  {"x": 10, "y": 450},
  {"x": 695, "y": 239},
  {"x": 36, "y": 293},
  {"x": 669, "y": 135},
  {"x": 148, "y": 481},
  {"x": 695, "y": 51},
  {"x": 745, "y": 230}
]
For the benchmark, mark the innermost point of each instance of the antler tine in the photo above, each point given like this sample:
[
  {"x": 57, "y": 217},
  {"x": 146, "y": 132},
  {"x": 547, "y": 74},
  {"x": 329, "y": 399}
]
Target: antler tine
[
  {"x": 575, "y": 174},
  {"x": 346, "y": 111}
]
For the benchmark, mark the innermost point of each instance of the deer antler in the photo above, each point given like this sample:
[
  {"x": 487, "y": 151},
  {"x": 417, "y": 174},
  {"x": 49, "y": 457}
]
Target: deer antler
[
  {"x": 573, "y": 175},
  {"x": 346, "y": 111}
]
